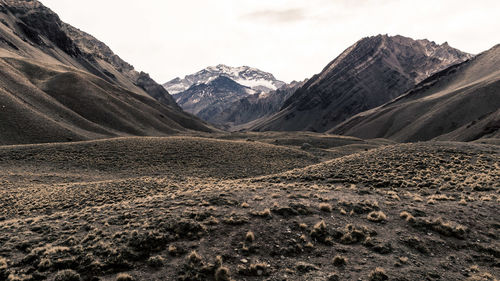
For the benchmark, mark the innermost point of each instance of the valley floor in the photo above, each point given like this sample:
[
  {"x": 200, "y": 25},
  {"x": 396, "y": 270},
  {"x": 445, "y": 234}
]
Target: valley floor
[{"x": 250, "y": 206}]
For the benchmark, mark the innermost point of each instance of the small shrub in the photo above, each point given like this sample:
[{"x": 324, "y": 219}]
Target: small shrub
[
  {"x": 378, "y": 275},
  {"x": 173, "y": 250},
  {"x": 212, "y": 220},
  {"x": 266, "y": 213},
  {"x": 305, "y": 267},
  {"x": 339, "y": 261},
  {"x": 481, "y": 277},
  {"x": 376, "y": 216},
  {"x": 3, "y": 269},
  {"x": 194, "y": 258},
  {"x": 319, "y": 230},
  {"x": 222, "y": 274},
  {"x": 259, "y": 269},
  {"x": 325, "y": 207},
  {"x": 407, "y": 216},
  {"x": 67, "y": 275},
  {"x": 156, "y": 261},
  {"x": 124, "y": 277},
  {"x": 250, "y": 237}
]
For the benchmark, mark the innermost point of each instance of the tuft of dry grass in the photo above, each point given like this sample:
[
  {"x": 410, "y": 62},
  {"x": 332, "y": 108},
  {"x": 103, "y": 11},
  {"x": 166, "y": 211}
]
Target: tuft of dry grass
[
  {"x": 4, "y": 273},
  {"x": 325, "y": 207},
  {"x": 407, "y": 216},
  {"x": 250, "y": 237},
  {"x": 124, "y": 277},
  {"x": 484, "y": 276},
  {"x": 319, "y": 231},
  {"x": 339, "y": 261},
  {"x": 378, "y": 274},
  {"x": 67, "y": 275},
  {"x": 194, "y": 258},
  {"x": 156, "y": 261},
  {"x": 376, "y": 216},
  {"x": 222, "y": 274}
]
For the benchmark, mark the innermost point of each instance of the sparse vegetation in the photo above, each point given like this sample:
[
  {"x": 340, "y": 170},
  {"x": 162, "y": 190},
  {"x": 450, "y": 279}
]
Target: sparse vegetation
[
  {"x": 124, "y": 277},
  {"x": 103, "y": 222},
  {"x": 378, "y": 274},
  {"x": 325, "y": 207},
  {"x": 67, "y": 275},
  {"x": 339, "y": 260},
  {"x": 249, "y": 237},
  {"x": 377, "y": 216}
]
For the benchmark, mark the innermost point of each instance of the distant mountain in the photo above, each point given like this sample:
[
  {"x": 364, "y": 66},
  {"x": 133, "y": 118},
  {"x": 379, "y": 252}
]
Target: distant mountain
[
  {"x": 253, "y": 78},
  {"x": 205, "y": 100},
  {"x": 369, "y": 73},
  {"x": 58, "y": 83},
  {"x": 460, "y": 103},
  {"x": 242, "y": 113},
  {"x": 228, "y": 96}
]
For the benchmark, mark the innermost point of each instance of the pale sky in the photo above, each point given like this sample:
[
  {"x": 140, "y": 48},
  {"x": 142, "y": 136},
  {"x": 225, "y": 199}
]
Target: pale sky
[{"x": 293, "y": 39}]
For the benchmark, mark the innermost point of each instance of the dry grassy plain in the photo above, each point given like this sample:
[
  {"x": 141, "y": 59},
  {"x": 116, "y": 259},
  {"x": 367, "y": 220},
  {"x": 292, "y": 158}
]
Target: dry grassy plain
[{"x": 248, "y": 206}]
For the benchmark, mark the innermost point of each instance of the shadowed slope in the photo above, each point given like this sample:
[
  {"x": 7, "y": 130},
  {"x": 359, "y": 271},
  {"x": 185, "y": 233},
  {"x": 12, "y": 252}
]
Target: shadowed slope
[
  {"x": 47, "y": 103},
  {"x": 460, "y": 103}
]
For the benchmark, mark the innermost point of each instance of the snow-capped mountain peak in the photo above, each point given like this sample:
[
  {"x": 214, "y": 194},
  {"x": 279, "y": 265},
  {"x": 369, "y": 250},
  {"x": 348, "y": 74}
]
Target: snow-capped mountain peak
[{"x": 253, "y": 78}]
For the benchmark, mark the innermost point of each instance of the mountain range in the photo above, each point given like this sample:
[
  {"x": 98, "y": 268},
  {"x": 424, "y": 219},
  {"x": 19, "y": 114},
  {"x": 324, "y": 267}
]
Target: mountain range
[
  {"x": 58, "y": 83},
  {"x": 369, "y": 73}
]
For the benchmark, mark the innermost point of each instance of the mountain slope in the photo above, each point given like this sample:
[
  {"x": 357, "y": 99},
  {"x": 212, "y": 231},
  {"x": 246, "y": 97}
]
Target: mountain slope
[
  {"x": 460, "y": 103},
  {"x": 54, "y": 87},
  {"x": 369, "y": 73},
  {"x": 243, "y": 112},
  {"x": 205, "y": 100}
]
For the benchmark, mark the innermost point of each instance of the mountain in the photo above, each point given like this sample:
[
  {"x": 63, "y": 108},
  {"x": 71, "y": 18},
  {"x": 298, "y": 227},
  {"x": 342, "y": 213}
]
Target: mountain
[
  {"x": 205, "y": 100},
  {"x": 370, "y": 73},
  {"x": 460, "y": 103},
  {"x": 58, "y": 83},
  {"x": 228, "y": 96},
  {"x": 253, "y": 78},
  {"x": 242, "y": 113}
]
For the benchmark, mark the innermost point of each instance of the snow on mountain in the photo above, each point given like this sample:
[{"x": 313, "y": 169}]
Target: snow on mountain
[{"x": 253, "y": 78}]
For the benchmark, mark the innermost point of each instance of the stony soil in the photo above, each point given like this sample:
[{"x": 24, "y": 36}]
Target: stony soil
[{"x": 194, "y": 208}]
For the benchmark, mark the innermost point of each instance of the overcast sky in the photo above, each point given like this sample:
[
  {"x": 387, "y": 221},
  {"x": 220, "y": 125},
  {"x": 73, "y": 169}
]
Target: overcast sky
[{"x": 293, "y": 39}]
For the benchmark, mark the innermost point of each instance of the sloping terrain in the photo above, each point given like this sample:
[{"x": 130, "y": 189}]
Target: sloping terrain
[
  {"x": 371, "y": 72},
  {"x": 54, "y": 88},
  {"x": 460, "y": 103},
  {"x": 184, "y": 208}
]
